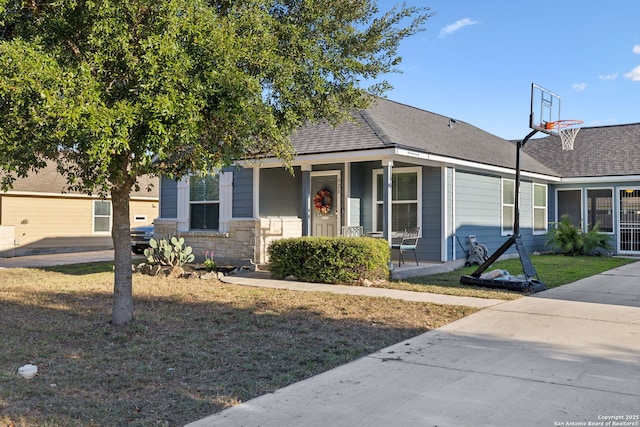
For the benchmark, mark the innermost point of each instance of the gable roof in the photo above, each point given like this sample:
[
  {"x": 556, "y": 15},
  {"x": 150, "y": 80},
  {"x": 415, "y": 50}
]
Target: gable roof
[
  {"x": 49, "y": 181},
  {"x": 391, "y": 124},
  {"x": 597, "y": 151}
]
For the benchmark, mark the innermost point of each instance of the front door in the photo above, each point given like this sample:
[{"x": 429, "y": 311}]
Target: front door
[
  {"x": 325, "y": 203},
  {"x": 629, "y": 221}
]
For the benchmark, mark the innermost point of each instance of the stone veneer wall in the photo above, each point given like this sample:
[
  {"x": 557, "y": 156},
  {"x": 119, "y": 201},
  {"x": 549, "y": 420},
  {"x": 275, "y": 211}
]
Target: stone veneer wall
[{"x": 246, "y": 242}]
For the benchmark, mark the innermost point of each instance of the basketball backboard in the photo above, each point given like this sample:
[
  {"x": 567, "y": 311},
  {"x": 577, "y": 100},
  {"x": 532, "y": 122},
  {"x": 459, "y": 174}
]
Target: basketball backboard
[{"x": 545, "y": 110}]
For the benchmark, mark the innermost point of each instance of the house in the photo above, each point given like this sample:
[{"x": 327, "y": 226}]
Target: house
[
  {"x": 39, "y": 216},
  {"x": 448, "y": 177},
  {"x": 600, "y": 181}
]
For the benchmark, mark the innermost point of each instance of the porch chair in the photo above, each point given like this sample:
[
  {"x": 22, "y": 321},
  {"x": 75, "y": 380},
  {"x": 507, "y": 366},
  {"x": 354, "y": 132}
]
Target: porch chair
[
  {"x": 408, "y": 242},
  {"x": 352, "y": 231}
]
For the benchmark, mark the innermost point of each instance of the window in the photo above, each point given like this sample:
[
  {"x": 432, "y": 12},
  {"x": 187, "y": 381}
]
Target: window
[
  {"x": 600, "y": 209},
  {"x": 569, "y": 205},
  {"x": 101, "y": 216},
  {"x": 404, "y": 200},
  {"x": 539, "y": 208},
  {"x": 204, "y": 202},
  {"x": 508, "y": 205}
]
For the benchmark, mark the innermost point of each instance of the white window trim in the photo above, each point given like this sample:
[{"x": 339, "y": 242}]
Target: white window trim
[
  {"x": 504, "y": 232},
  {"x": 613, "y": 209},
  {"x": 93, "y": 217},
  {"x": 534, "y": 207},
  {"x": 374, "y": 196},
  {"x": 225, "y": 199},
  {"x": 183, "y": 204}
]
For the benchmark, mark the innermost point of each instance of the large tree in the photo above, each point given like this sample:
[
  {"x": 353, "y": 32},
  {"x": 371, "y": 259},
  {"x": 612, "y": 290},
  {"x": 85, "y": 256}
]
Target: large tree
[{"x": 115, "y": 89}]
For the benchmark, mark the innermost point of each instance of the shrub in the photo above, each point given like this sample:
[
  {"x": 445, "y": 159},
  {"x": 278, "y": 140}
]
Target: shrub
[
  {"x": 330, "y": 259},
  {"x": 571, "y": 240}
]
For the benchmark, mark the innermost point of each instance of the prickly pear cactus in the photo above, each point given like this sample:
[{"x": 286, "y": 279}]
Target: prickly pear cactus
[{"x": 172, "y": 252}]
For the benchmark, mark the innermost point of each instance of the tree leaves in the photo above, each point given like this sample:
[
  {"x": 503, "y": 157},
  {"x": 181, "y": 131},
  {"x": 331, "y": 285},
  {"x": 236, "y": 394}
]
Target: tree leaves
[{"x": 115, "y": 89}]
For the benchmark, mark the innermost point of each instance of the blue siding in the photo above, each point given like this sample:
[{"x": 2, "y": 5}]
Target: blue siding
[
  {"x": 479, "y": 212},
  {"x": 168, "y": 198},
  {"x": 280, "y": 192},
  {"x": 429, "y": 246},
  {"x": 361, "y": 189},
  {"x": 361, "y": 185},
  {"x": 242, "y": 193}
]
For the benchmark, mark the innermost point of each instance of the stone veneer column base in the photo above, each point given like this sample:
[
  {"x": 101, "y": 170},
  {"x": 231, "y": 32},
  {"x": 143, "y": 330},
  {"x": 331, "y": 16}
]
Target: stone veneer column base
[{"x": 245, "y": 243}]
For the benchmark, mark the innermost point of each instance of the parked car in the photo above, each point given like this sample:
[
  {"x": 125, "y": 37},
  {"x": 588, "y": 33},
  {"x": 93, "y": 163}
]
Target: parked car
[{"x": 140, "y": 237}]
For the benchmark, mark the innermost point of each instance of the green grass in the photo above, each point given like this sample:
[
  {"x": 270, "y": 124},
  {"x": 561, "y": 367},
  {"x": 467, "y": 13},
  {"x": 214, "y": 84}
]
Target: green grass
[
  {"x": 553, "y": 270},
  {"x": 195, "y": 348}
]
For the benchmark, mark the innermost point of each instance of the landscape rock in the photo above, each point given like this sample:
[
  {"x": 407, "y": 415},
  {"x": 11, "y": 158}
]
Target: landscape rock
[{"x": 364, "y": 282}]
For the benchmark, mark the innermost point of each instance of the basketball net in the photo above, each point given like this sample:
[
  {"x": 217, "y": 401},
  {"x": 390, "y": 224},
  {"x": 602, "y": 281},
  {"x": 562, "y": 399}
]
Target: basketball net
[{"x": 568, "y": 137}]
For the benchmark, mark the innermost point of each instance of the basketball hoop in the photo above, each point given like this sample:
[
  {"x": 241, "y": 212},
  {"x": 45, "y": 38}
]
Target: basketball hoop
[{"x": 567, "y": 129}]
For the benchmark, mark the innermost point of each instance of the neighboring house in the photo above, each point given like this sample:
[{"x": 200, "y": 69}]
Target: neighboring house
[
  {"x": 448, "y": 177},
  {"x": 37, "y": 216}
]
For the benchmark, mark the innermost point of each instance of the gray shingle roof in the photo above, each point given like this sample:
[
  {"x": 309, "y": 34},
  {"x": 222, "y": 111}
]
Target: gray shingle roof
[
  {"x": 598, "y": 151},
  {"x": 388, "y": 123}
]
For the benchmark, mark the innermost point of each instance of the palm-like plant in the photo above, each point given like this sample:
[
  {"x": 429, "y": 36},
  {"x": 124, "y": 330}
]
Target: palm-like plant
[{"x": 569, "y": 239}]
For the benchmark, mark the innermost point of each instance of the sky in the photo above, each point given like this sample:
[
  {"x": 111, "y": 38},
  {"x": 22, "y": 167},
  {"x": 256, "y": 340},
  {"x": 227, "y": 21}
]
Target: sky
[{"x": 477, "y": 59}]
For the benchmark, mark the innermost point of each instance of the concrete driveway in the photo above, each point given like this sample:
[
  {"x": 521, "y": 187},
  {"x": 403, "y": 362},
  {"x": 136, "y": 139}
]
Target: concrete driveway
[
  {"x": 48, "y": 260},
  {"x": 567, "y": 356}
]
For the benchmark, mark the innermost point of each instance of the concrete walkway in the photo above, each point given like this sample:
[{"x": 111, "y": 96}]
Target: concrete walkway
[
  {"x": 567, "y": 356},
  {"x": 262, "y": 279}
]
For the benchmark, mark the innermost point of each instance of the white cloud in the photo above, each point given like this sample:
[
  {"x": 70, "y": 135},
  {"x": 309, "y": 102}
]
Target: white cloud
[
  {"x": 608, "y": 76},
  {"x": 579, "y": 87},
  {"x": 633, "y": 74},
  {"x": 452, "y": 28},
  {"x": 636, "y": 49}
]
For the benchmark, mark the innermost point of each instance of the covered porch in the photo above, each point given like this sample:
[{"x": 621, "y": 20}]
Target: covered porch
[{"x": 381, "y": 196}]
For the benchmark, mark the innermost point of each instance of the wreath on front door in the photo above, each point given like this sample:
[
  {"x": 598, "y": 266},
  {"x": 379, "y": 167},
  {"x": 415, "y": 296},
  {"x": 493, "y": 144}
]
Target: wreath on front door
[{"x": 322, "y": 201}]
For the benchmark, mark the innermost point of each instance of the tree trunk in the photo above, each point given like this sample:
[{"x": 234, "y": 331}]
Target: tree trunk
[{"x": 120, "y": 232}]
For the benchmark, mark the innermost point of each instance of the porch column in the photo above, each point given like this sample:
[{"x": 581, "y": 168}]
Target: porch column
[
  {"x": 226, "y": 200},
  {"x": 305, "y": 208},
  {"x": 183, "y": 204},
  {"x": 256, "y": 192},
  {"x": 387, "y": 169}
]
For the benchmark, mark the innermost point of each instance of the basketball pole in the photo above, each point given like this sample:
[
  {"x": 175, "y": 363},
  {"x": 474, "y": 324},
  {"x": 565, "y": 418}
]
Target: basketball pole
[
  {"x": 520, "y": 146},
  {"x": 527, "y": 266}
]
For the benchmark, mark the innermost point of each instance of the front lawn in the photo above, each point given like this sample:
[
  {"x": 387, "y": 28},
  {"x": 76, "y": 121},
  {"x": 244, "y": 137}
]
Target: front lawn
[
  {"x": 553, "y": 270},
  {"x": 195, "y": 348}
]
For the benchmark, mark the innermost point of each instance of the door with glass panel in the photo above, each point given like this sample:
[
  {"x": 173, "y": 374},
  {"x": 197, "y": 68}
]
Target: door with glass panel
[
  {"x": 629, "y": 241},
  {"x": 325, "y": 203}
]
